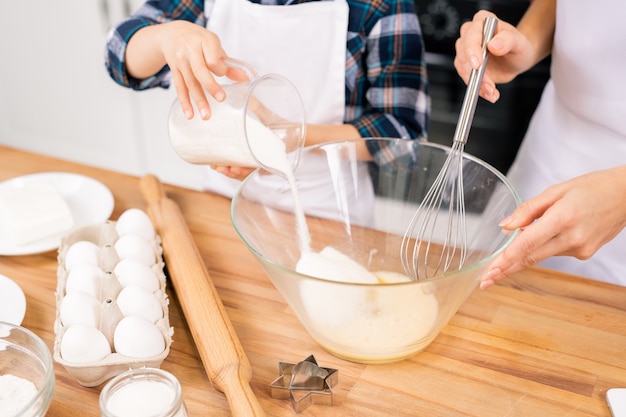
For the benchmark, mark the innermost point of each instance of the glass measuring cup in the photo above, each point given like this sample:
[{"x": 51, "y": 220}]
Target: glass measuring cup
[{"x": 261, "y": 123}]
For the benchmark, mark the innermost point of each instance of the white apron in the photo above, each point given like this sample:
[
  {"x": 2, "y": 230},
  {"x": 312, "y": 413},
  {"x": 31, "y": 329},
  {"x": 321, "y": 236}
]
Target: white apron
[
  {"x": 306, "y": 43},
  {"x": 580, "y": 123}
]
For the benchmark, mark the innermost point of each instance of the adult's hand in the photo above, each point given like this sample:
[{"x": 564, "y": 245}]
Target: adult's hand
[
  {"x": 509, "y": 54},
  {"x": 513, "y": 50},
  {"x": 573, "y": 218}
]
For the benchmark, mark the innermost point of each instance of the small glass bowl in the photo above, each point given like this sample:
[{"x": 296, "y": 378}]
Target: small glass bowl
[
  {"x": 143, "y": 392},
  {"x": 25, "y": 359}
]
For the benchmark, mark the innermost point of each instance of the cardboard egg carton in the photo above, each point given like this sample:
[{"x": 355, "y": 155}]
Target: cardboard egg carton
[{"x": 94, "y": 373}]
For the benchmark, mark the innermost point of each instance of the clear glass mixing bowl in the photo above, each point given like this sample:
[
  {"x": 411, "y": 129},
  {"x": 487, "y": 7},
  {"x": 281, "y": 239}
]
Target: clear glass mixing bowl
[{"x": 359, "y": 210}]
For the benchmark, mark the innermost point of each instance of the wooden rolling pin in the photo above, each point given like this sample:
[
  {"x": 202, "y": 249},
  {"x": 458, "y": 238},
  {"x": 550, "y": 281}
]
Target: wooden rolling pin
[{"x": 221, "y": 352}]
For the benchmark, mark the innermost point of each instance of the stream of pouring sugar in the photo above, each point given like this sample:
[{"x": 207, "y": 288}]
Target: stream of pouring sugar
[{"x": 271, "y": 151}]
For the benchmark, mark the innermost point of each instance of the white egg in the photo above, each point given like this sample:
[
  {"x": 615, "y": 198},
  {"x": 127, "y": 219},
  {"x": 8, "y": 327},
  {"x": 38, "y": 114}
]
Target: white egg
[
  {"x": 137, "y": 337},
  {"x": 84, "y": 344},
  {"x": 137, "y": 301},
  {"x": 80, "y": 308},
  {"x": 82, "y": 252},
  {"x": 135, "y": 222},
  {"x": 84, "y": 278},
  {"x": 133, "y": 272},
  {"x": 134, "y": 247}
]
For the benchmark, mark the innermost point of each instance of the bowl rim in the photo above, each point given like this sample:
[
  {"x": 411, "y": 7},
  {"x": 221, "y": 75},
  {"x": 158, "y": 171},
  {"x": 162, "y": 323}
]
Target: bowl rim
[
  {"x": 47, "y": 388},
  {"x": 446, "y": 276}
]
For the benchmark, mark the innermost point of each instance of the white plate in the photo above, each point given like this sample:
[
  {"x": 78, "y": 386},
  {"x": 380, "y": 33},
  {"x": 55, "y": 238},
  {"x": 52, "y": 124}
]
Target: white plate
[
  {"x": 89, "y": 200},
  {"x": 12, "y": 301}
]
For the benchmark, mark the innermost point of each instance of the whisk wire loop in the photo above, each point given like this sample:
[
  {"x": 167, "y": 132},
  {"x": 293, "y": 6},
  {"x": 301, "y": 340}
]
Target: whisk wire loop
[{"x": 423, "y": 256}]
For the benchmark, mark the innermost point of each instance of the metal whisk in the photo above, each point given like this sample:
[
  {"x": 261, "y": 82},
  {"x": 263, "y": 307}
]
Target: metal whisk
[{"x": 443, "y": 208}]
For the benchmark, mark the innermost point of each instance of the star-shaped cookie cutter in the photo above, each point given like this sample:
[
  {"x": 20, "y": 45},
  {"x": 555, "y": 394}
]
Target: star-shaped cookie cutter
[{"x": 305, "y": 383}]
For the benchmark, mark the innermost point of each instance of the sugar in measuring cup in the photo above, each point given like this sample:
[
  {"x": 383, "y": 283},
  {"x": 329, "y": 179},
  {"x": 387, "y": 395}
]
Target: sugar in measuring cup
[{"x": 259, "y": 119}]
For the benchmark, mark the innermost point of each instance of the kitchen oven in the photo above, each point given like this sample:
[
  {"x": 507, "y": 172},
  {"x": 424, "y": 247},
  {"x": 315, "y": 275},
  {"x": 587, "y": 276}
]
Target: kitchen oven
[{"x": 497, "y": 129}]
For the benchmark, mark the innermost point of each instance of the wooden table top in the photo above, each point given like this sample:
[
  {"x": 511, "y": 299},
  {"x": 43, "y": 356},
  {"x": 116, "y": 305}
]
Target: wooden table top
[{"x": 541, "y": 343}]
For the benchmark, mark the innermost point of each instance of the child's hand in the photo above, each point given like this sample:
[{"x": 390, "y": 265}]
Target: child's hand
[
  {"x": 195, "y": 56},
  {"x": 238, "y": 173}
]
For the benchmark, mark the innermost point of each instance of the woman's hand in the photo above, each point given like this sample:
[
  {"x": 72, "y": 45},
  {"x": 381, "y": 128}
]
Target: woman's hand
[
  {"x": 508, "y": 50},
  {"x": 511, "y": 53},
  {"x": 573, "y": 218}
]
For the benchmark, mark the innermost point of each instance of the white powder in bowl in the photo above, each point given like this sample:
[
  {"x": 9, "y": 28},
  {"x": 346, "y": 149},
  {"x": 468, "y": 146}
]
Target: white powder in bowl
[
  {"x": 143, "y": 398},
  {"x": 15, "y": 393}
]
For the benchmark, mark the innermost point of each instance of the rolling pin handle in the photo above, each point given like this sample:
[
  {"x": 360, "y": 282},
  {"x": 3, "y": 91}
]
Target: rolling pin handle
[{"x": 152, "y": 189}]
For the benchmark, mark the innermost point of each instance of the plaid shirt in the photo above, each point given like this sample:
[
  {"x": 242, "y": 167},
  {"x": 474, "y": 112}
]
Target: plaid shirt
[{"x": 386, "y": 91}]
